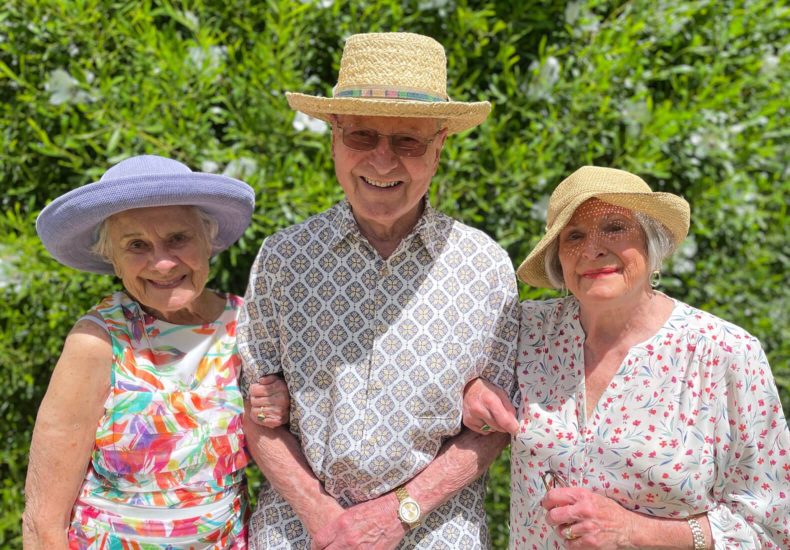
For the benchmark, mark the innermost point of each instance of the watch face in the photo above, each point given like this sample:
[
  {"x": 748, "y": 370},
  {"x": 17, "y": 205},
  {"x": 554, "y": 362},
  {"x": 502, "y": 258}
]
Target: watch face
[{"x": 409, "y": 511}]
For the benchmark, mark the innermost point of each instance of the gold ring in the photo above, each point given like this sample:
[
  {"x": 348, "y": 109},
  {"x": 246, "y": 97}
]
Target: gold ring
[
  {"x": 260, "y": 416},
  {"x": 568, "y": 533},
  {"x": 485, "y": 428}
]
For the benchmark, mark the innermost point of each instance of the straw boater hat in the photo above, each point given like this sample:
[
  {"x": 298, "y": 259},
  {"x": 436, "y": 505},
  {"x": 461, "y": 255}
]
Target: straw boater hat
[
  {"x": 68, "y": 225},
  {"x": 611, "y": 186},
  {"x": 393, "y": 74}
]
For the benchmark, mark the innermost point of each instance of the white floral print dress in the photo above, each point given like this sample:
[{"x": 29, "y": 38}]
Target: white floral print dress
[{"x": 691, "y": 423}]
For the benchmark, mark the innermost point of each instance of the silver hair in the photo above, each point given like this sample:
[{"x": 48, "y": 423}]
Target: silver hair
[
  {"x": 103, "y": 245},
  {"x": 659, "y": 247}
]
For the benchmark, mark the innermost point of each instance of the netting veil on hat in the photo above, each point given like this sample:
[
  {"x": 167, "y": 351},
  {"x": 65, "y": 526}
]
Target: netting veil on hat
[{"x": 612, "y": 186}]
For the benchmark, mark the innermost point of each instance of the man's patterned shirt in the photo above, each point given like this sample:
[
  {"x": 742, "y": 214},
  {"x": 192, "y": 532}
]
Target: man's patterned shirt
[{"x": 376, "y": 354}]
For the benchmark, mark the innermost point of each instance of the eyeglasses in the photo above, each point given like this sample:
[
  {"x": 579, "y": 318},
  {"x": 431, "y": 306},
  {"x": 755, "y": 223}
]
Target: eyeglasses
[
  {"x": 367, "y": 139},
  {"x": 552, "y": 480}
]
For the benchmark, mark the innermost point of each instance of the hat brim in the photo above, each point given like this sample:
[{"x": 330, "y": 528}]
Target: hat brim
[
  {"x": 670, "y": 210},
  {"x": 458, "y": 115},
  {"x": 67, "y": 226}
]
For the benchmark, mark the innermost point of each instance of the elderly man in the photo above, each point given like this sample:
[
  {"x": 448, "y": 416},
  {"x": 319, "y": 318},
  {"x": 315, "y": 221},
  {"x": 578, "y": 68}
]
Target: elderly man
[{"x": 378, "y": 312}]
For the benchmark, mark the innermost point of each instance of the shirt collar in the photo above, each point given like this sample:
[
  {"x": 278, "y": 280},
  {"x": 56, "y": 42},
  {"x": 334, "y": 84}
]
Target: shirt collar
[
  {"x": 429, "y": 230},
  {"x": 344, "y": 225},
  {"x": 342, "y": 222}
]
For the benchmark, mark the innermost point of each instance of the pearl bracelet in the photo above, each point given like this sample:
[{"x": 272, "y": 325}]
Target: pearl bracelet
[{"x": 697, "y": 534}]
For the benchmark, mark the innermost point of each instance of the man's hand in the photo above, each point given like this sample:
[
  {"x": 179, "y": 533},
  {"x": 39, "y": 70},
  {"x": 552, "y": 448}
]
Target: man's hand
[
  {"x": 487, "y": 405},
  {"x": 270, "y": 402},
  {"x": 372, "y": 525}
]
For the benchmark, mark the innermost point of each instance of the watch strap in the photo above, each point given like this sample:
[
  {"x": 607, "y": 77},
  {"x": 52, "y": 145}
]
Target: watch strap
[
  {"x": 401, "y": 493},
  {"x": 403, "y": 496},
  {"x": 698, "y": 536}
]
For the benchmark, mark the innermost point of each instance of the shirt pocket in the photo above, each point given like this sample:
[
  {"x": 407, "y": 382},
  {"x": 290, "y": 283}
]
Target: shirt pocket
[
  {"x": 438, "y": 407},
  {"x": 436, "y": 417}
]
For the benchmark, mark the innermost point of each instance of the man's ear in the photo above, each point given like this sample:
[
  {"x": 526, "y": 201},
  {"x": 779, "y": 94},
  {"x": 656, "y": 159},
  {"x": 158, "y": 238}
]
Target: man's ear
[
  {"x": 440, "y": 139},
  {"x": 332, "y": 123}
]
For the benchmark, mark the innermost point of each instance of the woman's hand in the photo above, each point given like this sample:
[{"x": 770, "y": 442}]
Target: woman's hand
[
  {"x": 588, "y": 520},
  {"x": 584, "y": 519},
  {"x": 270, "y": 402},
  {"x": 487, "y": 409}
]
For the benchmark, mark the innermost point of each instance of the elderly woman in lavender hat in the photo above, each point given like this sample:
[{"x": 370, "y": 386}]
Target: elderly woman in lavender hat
[
  {"x": 138, "y": 441},
  {"x": 642, "y": 422}
]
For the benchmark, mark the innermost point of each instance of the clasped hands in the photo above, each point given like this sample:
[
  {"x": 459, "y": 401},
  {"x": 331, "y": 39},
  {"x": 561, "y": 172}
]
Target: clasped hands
[
  {"x": 371, "y": 525},
  {"x": 368, "y": 525},
  {"x": 584, "y": 519}
]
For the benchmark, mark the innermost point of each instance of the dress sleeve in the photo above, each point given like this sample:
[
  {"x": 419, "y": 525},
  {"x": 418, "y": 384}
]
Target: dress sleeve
[
  {"x": 752, "y": 485},
  {"x": 499, "y": 358},
  {"x": 258, "y": 337},
  {"x": 95, "y": 317}
]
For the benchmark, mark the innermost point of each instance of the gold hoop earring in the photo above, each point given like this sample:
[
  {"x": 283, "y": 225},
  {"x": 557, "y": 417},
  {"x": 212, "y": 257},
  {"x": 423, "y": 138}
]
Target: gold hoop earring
[{"x": 655, "y": 279}]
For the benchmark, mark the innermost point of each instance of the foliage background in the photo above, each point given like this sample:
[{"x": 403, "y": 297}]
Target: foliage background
[{"x": 692, "y": 95}]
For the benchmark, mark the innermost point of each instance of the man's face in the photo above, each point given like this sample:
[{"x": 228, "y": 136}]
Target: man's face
[{"x": 385, "y": 190}]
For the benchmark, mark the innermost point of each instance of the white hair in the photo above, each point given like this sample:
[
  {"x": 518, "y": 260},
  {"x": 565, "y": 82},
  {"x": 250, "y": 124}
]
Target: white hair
[{"x": 103, "y": 245}]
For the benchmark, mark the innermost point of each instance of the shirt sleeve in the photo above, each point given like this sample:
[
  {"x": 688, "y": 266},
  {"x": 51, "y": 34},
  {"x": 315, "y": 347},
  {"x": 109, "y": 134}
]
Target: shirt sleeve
[
  {"x": 257, "y": 335},
  {"x": 752, "y": 485},
  {"x": 498, "y": 362}
]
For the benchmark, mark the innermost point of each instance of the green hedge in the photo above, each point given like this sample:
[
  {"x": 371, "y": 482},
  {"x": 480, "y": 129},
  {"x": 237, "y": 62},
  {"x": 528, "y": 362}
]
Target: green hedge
[{"x": 689, "y": 94}]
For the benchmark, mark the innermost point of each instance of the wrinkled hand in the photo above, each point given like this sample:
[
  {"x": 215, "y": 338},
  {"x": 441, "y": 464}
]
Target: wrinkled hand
[
  {"x": 592, "y": 520},
  {"x": 371, "y": 525},
  {"x": 270, "y": 397},
  {"x": 487, "y": 404},
  {"x": 321, "y": 522}
]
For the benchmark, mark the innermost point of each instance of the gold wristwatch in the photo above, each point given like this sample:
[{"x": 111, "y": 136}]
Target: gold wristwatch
[{"x": 409, "y": 510}]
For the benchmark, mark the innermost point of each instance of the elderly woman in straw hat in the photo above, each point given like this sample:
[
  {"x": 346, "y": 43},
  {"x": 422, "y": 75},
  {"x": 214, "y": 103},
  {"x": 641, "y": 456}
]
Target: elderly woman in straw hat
[
  {"x": 642, "y": 421},
  {"x": 138, "y": 441},
  {"x": 378, "y": 312}
]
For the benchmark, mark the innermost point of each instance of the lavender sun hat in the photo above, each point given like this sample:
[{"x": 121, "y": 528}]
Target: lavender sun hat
[{"x": 68, "y": 225}]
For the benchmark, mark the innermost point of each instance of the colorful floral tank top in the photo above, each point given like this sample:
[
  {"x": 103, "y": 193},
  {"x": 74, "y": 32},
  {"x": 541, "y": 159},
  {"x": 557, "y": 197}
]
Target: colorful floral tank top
[{"x": 167, "y": 469}]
